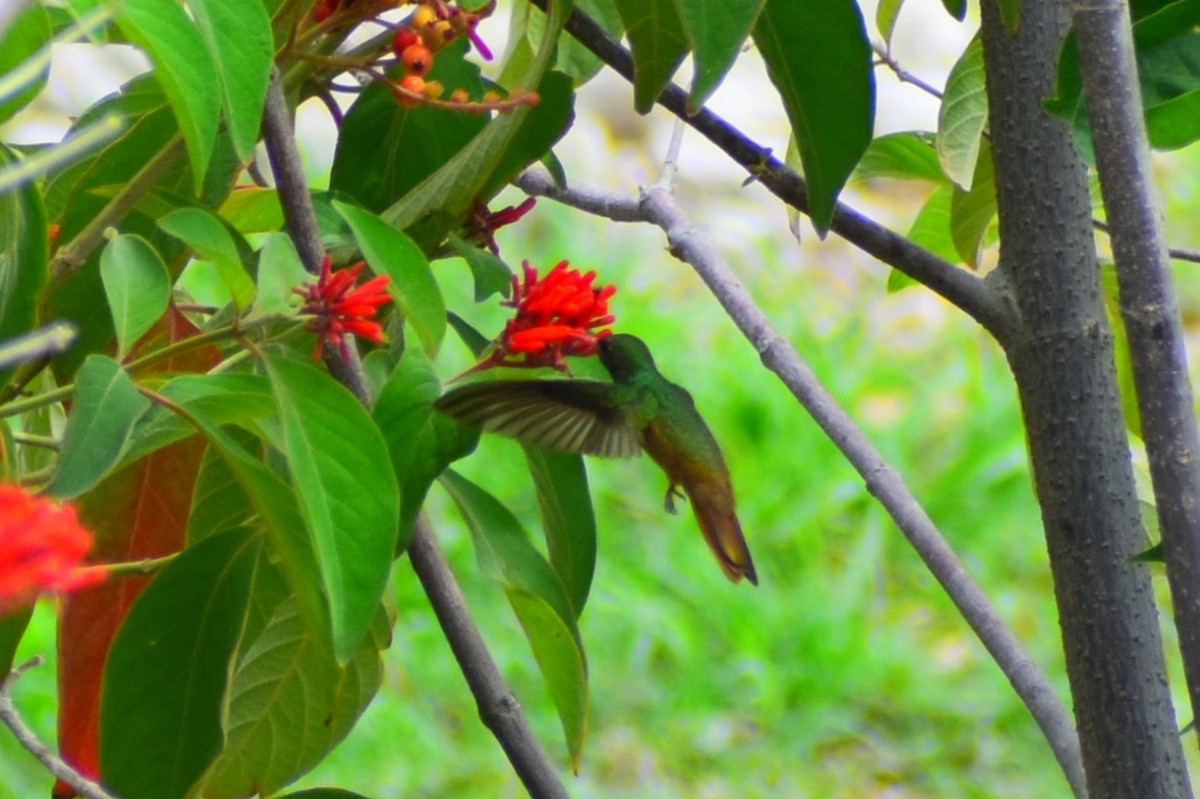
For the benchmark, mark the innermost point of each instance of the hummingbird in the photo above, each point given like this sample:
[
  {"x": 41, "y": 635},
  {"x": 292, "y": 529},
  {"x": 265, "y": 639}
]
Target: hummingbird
[{"x": 639, "y": 410}]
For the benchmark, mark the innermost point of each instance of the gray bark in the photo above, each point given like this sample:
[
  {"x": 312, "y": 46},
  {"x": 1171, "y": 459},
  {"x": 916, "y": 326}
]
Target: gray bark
[{"x": 1062, "y": 358}]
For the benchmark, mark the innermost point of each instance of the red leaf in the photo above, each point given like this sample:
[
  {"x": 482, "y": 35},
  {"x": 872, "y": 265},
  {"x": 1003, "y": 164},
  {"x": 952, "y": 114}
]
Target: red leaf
[{"x": 140, "y": 512}]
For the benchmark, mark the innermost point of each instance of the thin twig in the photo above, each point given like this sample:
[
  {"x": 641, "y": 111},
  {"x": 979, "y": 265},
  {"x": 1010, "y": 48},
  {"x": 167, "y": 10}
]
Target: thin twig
[
  {"x": 29, "y": 740},
  {"x": 903, "y": 75},
  {"x": 1176, "y": 253},
  {"x": 960, "y": 287},
  {"x": 498, "y": 707},
  {"x": 691, "y": 245}
]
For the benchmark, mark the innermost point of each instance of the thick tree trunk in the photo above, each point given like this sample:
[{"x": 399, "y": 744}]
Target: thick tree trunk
[{"x": 1062, "y": 358}]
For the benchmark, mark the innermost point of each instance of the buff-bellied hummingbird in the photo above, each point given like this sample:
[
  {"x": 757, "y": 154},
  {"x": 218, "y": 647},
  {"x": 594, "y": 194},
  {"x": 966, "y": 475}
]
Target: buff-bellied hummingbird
[{"x": 639, "y": 410}]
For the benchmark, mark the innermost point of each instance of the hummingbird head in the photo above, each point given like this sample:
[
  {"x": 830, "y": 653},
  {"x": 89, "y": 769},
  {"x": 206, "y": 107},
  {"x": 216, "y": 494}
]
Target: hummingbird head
[{"x": 625, "y": 356}]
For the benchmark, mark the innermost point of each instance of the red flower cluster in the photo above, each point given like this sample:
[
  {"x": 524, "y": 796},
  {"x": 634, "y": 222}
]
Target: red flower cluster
[
  {"x": 338, "y": 307},
  {"x": 557, "y": 316},
  {"x": 41, "y": 547}
]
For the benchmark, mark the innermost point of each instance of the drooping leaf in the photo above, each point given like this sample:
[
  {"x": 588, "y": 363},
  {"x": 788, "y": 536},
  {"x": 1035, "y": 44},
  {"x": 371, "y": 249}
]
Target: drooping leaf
[
  {"x": 422, "y": 443},
  {"x": 962, "y": 117},
  {"x": 931, "y": 230},
  {"x": 346, "y": 488},
  {"x": 137, "y": 286},
  {"x": 538, "y": 598},
  {"x": 184, "y": 68},
  {"x": 492, "y": 276},
  {"x": 24, "y": 245},
  {"x": 659, "y": 44},
  {"x": 972, "y": 212},
  {"x": 716, "y": 31},
  {"x": 544, "y": 125},
  {"x": 289, "y": 702},
  {"x": 909, "y": 155},
  {"x": 107, "y": 404},
  {"x": 568, "y": 519},
  {"x": 23, "y": 37},
  {"x": 819, "y": 58},
  {"x": 239, "y": 39},
  {"x": 390, "y": 252},
  {"x": 526, "y": 29},
  {"x": 160, "y": 716},
  {"x": 204, "y": 233}
]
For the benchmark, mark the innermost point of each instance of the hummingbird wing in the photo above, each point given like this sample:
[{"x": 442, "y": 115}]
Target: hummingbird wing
[{"x": 583, "y": 416}]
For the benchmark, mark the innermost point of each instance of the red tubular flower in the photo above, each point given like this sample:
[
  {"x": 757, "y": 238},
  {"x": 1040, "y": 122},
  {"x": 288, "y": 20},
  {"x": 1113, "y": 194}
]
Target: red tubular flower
[
  {"x": 557, "y": 315},
  {"x": 42, "y": 546},
  {"x": 338, "y": 307}
]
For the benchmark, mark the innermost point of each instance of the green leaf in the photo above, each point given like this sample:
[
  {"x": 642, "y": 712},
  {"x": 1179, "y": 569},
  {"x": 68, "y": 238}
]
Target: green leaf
[
  {"x": 107, "y": 405},
  {"x": 492, "y": 276},
  {"x": 137, "y": 286},
  {"x": 279, "y": 271},
  {"x": 275, "y": 503},
  {"x": 972, "y": 212},
  {"x": 24, "y": 252},
  {"x": 956, "y": 8},
  {"x": 232, "y": 398},
  {"x": 323, "y": 793},
  {"x": 458, "y": 182},
  {"x": 526, "y": 30},
  {"x": 160, "y": 715},
  {"x": 289, "y": 702},
  {"x": 658, "y": 42},
  {"x": 219, "y": 503},
  {"x": 962, "y": 117},
  {"x": 24, "y": 36},
  {"x": 544, "y": 125},
  {"x": 886, "y": 14},
  {"x": 931, "y": 230},
  {"x": 716, "y": 31},
  {"x": 538, "y": 598},
  {"x": 390, "y": 252},
  {"x": 1167, "y": 47},
  {"x": 239, "y": 39},
  {"x": 12, "y": 628},
  {"x": 384, "y": 151},
  {"x": 348, "y": 493},
  {"x": 910, "y": 155},
  {"x": 422, "y": 443},
  {"x": 203, "y": 232},
  {"x": 818, "y": 57},
  {"x": 568, "y": 519},
  {"x": 184, "y": 68},
  {"x": 253, "y": 209}
]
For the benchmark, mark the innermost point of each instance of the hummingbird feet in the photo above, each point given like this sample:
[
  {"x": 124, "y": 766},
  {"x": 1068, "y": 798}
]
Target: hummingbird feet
[{"x": 669, "y": 503}]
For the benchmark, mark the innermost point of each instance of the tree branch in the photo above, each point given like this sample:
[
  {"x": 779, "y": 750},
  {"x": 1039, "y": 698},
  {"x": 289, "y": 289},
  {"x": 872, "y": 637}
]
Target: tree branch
[
  {"x": 1148, "y": 305},
  {"x": 958, "y": 286},
  {"x": 29, "y": 740},
  {"x": 498, "y": 707},
  {"x": 691, "y": 245}
]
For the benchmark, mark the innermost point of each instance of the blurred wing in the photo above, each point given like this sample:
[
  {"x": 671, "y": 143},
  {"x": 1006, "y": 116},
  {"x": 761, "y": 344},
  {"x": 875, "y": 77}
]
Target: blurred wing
[{"x": 581, "y": 416}]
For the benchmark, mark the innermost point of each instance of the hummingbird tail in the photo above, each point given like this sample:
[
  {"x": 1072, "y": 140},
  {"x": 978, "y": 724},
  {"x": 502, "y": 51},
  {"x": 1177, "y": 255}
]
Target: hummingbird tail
[{"x": 723, "y": 533}]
